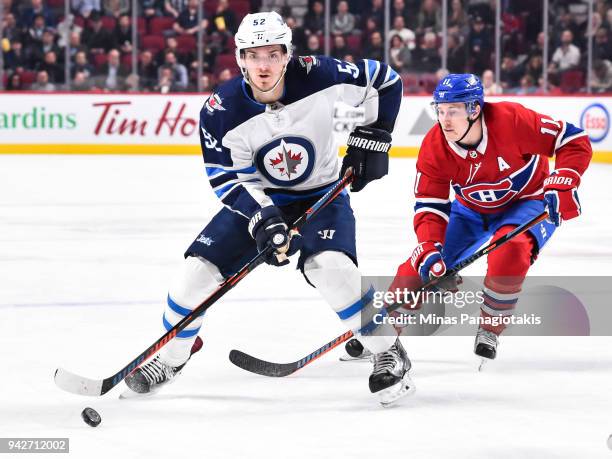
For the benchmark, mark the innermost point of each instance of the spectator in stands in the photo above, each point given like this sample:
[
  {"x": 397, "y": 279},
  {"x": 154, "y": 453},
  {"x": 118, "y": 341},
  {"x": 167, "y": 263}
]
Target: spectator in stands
[
  {"x": 123, "y": 34},
  {"x": 39, "y": 49},
  {"x": 42, "y": 82},
  {"x": 14, "y": 82},
  {"x": 488, "y": 83},
  {"x": 427, "y": 56},
  {"x": 97, "y": 38},
  {"x": 37, "y": 9},
  {"x": 147, "y": 71},
  {"x": 314, "y": 21},
  {"x": 10, "y": 7},
  {"x": 511, "y": 72},
  {"x": 312, "y": 46},
  {"x": 179, "y": 72},
  {"x": 376, "y": 13},
  {"x": 85, "y": 7},
  {"x": 54, "y": 71},
  {"x": 16, "y": 58},
  {"x": 455, "y": 57},
  {"x": 10, "y": 30},
  {"x": 601, "y": 80},
  {"x": 527, "y": 86},
  {"x": 537, "y": 49},
  {"x": 343, "y": 22},
  {"x": 116, "y": 8},
  {"x": 298, "y": 35},
  {"x": 340, "y": 49},
  {"x": 429, "y": 18},
  {"x": 602, "y": 46},
  {"x": 399, "y": 9},
  {"x": 80, "y": 82},
  {"x": 399, "y": 53},
  {"x": 206, "y": 83},
  {"x": 187, "y": 20},
  {"x": 224, "y": 19},
  {"x": 399, "y": 28},
  {"x": 35, "y": 32},
  {"x": 224, "y": 76},
  {"x": 535, "y": 67},
  {"x": 112, "y": 74},
  {"x": 369, "y": 28},
  {"x": 566, "y": 57},
  {"x": 166, "y": 82},
  {"x": 75, "y": 44},
  {"x": 150, "y": 9},
  {"x": 480, "y": 45},
  {"x": 457, "y": 17},
  {"x": 174, "y": 7},
  {"x": 375, "y": 48},
  {"x": 81, "y": 65}
]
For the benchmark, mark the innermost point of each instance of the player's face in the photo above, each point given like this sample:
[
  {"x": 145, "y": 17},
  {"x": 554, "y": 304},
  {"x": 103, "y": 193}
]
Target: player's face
[
  {"x": 265, "y": 65},
  {"x": 452, "y": 119}
]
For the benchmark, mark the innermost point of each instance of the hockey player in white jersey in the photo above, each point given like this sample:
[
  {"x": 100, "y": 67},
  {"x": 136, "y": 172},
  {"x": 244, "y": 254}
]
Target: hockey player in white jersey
[{"x": 269, "y": 153}]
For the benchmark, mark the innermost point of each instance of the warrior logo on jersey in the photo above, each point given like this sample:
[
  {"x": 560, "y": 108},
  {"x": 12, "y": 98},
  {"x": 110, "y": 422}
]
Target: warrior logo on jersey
[
  {"x": 308, "y": 62},
  {"x": 492, "y": 195},
  {"x": 214, "y": 103},
  {"x": 286, "y": 161}
]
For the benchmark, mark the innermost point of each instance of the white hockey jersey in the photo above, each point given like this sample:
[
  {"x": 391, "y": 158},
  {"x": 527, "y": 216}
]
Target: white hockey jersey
[{"x": 258, "y": 155}]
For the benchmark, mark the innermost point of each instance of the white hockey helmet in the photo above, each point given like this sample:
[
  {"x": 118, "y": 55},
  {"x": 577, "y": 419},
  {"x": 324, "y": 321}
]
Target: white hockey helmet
[{"x": 261, "y": 29}]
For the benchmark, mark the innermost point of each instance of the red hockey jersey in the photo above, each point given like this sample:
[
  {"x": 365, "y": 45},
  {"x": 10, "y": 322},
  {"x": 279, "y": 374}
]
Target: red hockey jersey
[{"x": 509, "y": 164}]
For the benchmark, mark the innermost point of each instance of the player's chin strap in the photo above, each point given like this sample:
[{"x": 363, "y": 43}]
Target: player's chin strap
[{"x": 470, "y": 124}]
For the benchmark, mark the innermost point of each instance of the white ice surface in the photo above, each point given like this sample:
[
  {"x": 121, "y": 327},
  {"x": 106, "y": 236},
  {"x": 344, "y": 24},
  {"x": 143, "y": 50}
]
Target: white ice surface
[{"x": 88, "y": 244}]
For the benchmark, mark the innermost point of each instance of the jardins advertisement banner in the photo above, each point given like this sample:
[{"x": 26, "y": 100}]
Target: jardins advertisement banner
[{"x": 168, "y": 124}]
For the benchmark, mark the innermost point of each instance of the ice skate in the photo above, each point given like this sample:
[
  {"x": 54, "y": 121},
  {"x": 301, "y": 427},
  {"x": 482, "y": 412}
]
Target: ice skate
[
  {"x": 153, "y": 375},
  {"x": 485, "y": 346},
  {"x": 355, "y": 352},
  {"x": 390, "y": 379}
]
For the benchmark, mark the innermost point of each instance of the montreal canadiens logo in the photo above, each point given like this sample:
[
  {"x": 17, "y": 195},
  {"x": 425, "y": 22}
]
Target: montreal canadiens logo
[
  {"x": 595, "y": 120},
  {"x": 492, "y": 195},
  {"x": 286, "y": 161}
]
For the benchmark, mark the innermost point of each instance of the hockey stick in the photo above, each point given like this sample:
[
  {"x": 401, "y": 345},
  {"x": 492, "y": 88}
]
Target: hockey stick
[
  {"x": 265, "y": 368},
  {"x": 74, "y": 383}
]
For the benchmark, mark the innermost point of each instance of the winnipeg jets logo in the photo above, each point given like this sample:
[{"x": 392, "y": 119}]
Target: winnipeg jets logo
[
  {"x": 286, "y": 162},
  {"x": 214, "y": 103},
  {"x": 308, "y": 62}
]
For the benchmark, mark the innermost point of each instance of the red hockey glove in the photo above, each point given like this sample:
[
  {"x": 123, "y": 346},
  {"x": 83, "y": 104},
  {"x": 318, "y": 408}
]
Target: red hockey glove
[{"x": 561, "y": 195}]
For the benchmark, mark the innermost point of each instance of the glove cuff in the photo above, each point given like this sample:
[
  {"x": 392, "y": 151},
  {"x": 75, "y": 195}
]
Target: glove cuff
[
  {"x": 562, "y": 179},
  {"x": 263, "y": 215},
  {"x": 422, "y": 251}
]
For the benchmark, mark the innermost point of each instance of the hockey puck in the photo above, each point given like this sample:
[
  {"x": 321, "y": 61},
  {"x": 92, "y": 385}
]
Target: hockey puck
[
  {"x": 354, "y": 348},
  {"x": 91, "y": 417}
]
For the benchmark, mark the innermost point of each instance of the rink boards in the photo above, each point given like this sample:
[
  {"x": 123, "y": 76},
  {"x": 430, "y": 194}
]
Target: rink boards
[{"x": 69, "y": 123}]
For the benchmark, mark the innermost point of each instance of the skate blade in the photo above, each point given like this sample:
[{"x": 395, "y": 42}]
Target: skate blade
[
  {"x": 482, "y": 364},
  {"x": 348, "y": 358},
  {"x": 390, "y": 395}
]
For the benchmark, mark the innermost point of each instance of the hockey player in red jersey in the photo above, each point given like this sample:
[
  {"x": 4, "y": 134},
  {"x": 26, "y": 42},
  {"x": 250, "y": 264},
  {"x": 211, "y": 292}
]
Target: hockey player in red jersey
[{"x": 495, "y": 158}]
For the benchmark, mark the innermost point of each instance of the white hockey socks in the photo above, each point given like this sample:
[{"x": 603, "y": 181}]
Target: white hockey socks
[
  {"x": 339, "y": 282},
  {"x": 196, "y": 280}
]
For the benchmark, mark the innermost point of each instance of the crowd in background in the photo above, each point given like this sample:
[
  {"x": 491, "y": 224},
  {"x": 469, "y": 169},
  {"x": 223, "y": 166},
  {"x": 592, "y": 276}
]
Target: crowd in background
[{"x": 100, "y": 42}]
